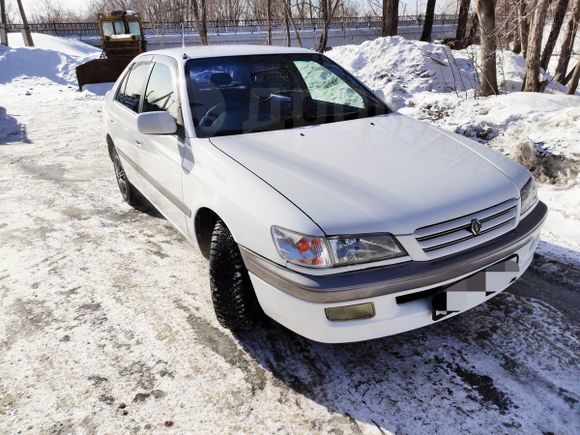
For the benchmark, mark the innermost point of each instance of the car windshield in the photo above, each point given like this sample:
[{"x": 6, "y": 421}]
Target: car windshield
[{"x": 245, "y": 94}]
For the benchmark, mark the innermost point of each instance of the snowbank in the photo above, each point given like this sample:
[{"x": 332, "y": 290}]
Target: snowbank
[
  {"x": 402, "y": 68},
  {"x": 71, "y": 47},
  {"x": 52, "y": 60},
  {"x": 525, "y": 126}
]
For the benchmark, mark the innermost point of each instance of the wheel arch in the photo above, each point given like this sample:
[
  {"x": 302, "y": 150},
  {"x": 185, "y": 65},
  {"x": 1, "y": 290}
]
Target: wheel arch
[{"x": 204, "y": 223}]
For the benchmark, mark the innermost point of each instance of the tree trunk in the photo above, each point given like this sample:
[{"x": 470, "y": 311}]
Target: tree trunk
[
  {"x": 291, "y": 18},
  {"x": 523, "y": 25},
  {"x": 322, "y": 42},
  {"x": 461, "y": 25},
  {"x": 559, "y": 15},
  {"x": 532, "y": 76},
  {"x": 568, "y": 44},
  {"x": 573, "y": 84},
  {"x": 486, "y": 14},
  {"x": 28, "y": 42},
  {"x": 200, "y": 17},
  {"x": 204, "y": 22},
  {"x": 517, "y": 42},
  {"x": 328, "y": 10},
  {"x": 3, "y": 24},
  {"x": 472, "y": 38},
  {"x": 428, "y": 24},
  {"x": 390, "y": 17},
  {"x": 287, "y": 25},
  {"x": 269, "y": 17}
]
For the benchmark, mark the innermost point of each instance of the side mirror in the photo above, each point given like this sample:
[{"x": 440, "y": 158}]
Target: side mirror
[{"x": 156, "y": 123}]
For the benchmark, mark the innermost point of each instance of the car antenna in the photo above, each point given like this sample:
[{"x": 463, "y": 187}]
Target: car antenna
[{"x": 185, "y": 56}]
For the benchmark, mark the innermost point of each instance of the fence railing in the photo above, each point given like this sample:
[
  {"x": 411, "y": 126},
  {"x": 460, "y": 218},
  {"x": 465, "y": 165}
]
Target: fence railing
[{"x": 232, "y": 26}]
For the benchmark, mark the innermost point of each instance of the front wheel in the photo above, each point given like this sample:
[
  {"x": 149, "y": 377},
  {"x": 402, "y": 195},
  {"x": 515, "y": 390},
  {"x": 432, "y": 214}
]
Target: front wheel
[{"x": 234, "y": 300}]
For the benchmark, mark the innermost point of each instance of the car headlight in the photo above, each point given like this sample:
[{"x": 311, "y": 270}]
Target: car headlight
[
  {"x": 528, "y": 195},
  {"x": 335, "y": 251}
]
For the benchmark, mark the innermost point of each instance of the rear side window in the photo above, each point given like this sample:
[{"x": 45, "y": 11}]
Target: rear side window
[
  {"x": 159, "y": 95},
  {"x": 130, "y": 92}
]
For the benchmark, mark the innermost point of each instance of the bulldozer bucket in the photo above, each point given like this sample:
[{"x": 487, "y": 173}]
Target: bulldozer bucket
[{"x": 101, "y": 70}]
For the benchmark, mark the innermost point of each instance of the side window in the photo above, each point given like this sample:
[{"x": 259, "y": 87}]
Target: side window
[
  {"x": 121, "y": 90},
  {"x": 159, "y": 95},
  {"x": 130, "y": 91}
]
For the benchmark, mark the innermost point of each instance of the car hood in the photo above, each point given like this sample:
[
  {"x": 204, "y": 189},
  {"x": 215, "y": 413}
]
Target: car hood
[{"x": 382, "y": 174}]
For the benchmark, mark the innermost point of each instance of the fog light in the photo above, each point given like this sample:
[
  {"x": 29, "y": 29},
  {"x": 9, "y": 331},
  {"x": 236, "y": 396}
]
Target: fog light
[{"x": 350, "y": 312}]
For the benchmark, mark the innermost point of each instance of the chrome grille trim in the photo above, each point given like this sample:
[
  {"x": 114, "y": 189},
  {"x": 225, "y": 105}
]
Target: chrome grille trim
[{"x": 495, "y": 221}]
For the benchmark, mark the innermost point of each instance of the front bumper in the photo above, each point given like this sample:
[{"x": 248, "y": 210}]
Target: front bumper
[{"x": 298, "y": 301}]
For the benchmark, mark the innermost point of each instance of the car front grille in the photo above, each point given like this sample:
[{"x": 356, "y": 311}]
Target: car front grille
[{"x": 455, "y": 235}]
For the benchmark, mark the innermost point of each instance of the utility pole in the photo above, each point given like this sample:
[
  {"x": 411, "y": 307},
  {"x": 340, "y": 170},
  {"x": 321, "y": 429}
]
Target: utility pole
[
  {"x": 3, "y": 24},
  {"x": 25, "y": 27}
]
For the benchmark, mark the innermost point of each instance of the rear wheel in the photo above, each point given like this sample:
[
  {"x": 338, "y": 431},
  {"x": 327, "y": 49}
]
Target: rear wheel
[
  {"x": 234, "y": 300},
  {"x": 129, "y": 193}
]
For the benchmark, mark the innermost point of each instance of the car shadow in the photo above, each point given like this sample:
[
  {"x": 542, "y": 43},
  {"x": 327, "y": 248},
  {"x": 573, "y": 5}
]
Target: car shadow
[
  {"x": 435, "y": 379},
  {"x": 11, "y": 131},
  {"x": 144, "y": 206}
]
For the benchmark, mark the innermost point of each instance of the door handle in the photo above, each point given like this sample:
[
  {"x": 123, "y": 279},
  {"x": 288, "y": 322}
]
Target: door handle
[
  {"x": 138, "y": 142},
  {"x": 112, "y": 121}
]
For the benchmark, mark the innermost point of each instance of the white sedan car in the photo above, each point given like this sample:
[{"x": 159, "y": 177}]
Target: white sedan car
[{"x": 316, "y": 204}]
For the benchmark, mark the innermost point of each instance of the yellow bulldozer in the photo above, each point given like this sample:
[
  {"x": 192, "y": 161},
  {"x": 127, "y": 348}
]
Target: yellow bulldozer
[{"x": 122, "y": 39}]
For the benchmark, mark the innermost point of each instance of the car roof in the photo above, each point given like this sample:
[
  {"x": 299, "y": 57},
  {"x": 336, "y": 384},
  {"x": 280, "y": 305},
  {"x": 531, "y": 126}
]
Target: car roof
[{"x": 204, "y": 51}]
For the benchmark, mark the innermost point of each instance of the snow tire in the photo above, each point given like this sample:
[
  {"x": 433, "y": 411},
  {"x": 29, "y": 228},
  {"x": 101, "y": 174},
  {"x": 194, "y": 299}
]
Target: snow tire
[{"x": 234, "y": 300}]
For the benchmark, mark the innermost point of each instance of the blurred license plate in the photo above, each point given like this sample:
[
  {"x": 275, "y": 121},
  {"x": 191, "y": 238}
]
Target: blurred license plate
[{"x": 473, "y": 290}]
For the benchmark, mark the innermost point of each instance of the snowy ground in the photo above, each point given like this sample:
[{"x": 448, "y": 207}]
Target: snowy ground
[{"x": 106, "y": 323}]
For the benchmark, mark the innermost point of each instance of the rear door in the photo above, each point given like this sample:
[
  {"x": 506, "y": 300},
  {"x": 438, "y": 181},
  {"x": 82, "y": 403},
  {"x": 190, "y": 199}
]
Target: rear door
[
  {"x": 162, "y": 154},
  {"x": 123, "y": 119}
]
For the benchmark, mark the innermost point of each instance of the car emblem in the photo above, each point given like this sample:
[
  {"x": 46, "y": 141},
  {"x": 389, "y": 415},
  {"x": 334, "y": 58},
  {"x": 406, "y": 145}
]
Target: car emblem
[{"x": 475, "y": 227}]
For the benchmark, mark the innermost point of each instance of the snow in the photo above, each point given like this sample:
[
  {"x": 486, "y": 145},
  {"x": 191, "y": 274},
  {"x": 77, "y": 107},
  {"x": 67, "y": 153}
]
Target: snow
[
  {"x": 402, "y": 68},
  {"x": 106, "y": 322},
  {"x": 52, "y": 59},
  {"x": 70, "y": 46}
]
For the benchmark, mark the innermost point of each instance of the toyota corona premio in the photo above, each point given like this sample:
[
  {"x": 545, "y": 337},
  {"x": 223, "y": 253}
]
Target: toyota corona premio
[{"x": 315, "y": 204}]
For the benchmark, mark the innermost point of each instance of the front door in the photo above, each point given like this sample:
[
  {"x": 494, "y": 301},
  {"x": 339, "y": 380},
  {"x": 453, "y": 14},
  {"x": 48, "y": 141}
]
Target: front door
[
  {"x": 123, "y": 119},
  {"x": 161, "y": 154}
]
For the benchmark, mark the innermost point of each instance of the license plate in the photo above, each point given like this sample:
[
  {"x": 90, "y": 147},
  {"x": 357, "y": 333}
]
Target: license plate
[{"x": 473, "y": 290}]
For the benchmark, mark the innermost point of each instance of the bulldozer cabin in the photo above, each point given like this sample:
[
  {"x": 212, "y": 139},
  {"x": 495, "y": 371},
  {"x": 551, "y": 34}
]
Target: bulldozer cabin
[{"x": 122, "y": 39}]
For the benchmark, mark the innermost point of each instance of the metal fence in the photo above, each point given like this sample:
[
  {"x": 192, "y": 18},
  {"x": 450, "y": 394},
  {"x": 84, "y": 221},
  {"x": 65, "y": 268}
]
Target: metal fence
[{"x": 231, "y": 26}]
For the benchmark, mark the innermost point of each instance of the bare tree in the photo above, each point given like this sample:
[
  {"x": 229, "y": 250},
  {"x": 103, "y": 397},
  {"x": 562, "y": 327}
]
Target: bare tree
[
  {"x": 390, "y": 17},
  {"x": 288, "y": 10},
  {"x": 573, "y": 84},
  {"x": 532, "y": 75},
  {"x": 568, "y": 44},
  {"x": 199, "y": 9},
  {"x": 523, "y": 25},
  {"x": 3, "y": 23},
  {"x": 328, "y": 10},
  {"x": 486, "y": 14},
  {"x": 461, "y": 24},
  {"x": 428, "y": 24},
  {"x": 559, "y": 15},
  {"x": 26, "y": 28},
  {"x": 269, "y": 18}
]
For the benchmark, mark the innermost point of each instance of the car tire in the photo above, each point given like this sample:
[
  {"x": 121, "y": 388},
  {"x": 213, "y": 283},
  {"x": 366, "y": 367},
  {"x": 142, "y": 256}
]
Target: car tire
[
  {"x": 129, "y": 193},
  {"x": 234, "y": 300}
]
